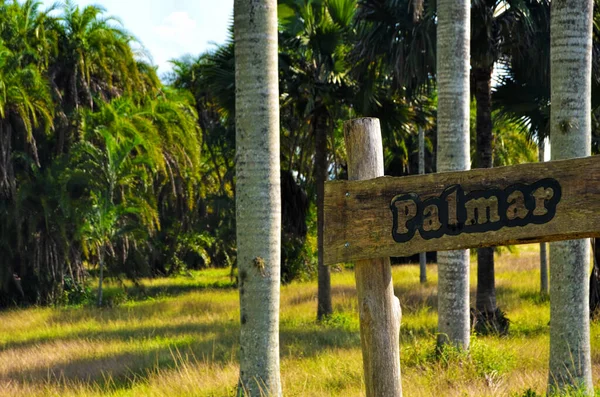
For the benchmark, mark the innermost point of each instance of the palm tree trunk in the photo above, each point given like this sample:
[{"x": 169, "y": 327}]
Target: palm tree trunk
[
  {"x": 486, "y": 289},
  {"x": 485, "y": 304},
  {"x": 258, "y": 196},
  {"x": 595, "y": 279},
  {"x": 324, "y": 283},
  {"x": 543, "y": 246},
  {"x": 74, "y": 91},
  {"x": 101, "y": 274},
  {"x": 482, "y": 79},
  {"x": 8, "y": 189},
  {"x": 570, "y": 134},
  {"x": 422, "y": 255},
  {"x": 453, "y": 44}
]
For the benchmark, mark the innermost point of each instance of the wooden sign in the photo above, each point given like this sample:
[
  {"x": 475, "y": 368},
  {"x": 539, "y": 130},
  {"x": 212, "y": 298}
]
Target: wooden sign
[{"x": 558, "y": 200}]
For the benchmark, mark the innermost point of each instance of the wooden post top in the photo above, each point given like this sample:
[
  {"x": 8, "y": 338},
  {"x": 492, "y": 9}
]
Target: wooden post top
[{"x": 381, "y": 217}]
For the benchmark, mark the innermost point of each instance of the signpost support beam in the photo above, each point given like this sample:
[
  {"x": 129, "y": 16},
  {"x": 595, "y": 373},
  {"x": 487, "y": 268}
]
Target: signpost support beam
[{"x": 379, "y": 308}]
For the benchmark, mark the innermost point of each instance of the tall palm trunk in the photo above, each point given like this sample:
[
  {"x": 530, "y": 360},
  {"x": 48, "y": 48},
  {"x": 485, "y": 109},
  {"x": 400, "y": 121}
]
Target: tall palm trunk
[
  {"x": 324, "y": 283},
  {"x": 488, "y": 318},
  {"x": 8, "y": 187},
  {"x": 101, "y": 274},
  {"x": 543, "y": 246},
  {"x": 258, "y": 197},
  {"x": 570, "y": 134},
  {"x": 595, "y": 279},
  {"x": 422, "y": 255},
  {"x": 482, "y": 79},
  {"x": 453, "y": 43}
]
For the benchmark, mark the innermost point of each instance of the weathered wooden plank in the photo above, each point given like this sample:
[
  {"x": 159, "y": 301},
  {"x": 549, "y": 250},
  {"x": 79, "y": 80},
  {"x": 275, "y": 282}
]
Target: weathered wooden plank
[{"x": 558, "y": 200}]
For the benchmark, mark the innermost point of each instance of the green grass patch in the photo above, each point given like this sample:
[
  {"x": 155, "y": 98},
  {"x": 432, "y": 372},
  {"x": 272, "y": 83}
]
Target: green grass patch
[{"x": 179, "y": 337}]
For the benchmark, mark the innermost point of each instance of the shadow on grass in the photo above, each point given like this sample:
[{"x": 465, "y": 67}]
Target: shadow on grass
[
  {"x": 409, "y": 333},
  {"x": 139, "y": 311},
  {"x": 143, "y": 292},
  {"x": 123, "y": 368},
  {"x": 99, "y": 320},
  {"x": 344, "y": 291},
  {"x": 143, "y": 333},
  {"x": 535, "y": 297},
  {"x": 152, "y": 291},
  {"x": 413, "y": 300}
]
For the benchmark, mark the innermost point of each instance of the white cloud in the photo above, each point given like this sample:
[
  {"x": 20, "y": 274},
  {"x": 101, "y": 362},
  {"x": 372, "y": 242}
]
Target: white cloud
[
  {"x": 177, "y": 26},
  {"x": 176, "y": 35}
]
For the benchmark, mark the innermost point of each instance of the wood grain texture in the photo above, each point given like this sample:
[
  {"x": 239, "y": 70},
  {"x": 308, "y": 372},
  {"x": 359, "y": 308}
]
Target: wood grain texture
[
  {"x": 358, "y": 218},
  {"x": 378, "y": 307}
]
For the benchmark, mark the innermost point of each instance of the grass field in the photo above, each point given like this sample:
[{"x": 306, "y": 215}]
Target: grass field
[{"x": 180, "y": 338}]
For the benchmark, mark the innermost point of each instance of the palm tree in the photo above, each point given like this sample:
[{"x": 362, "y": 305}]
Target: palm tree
[
  {"x": 523, "y": 92},
  {"x": 570, "y": 134},
  {"x": 211, "y": 80},
  {"x": 398, "y": 38},
  {"x": 117, "y": 172},
  {"x": 316, "y": 34},
  {"x": 258, "y": 200},
  {"x": 453, "y": 40},
  {"x": 167, "y": 137},
  {"x": 497, "y": 28},
  {"x": 394, "y": 68},
  {"x": 57, "y": 75},
  {"x": 176, "y": 186},
  {"x": 25, "y": 110},
  {"x": 24, "y": 106},
  {"x": 94, "y": 55},
  {"x": 28, "y": 32},
  {"x": 93, "y": 59}
]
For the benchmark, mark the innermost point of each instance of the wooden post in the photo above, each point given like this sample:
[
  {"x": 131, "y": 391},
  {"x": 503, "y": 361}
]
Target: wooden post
[
  {"x": 379, "y": 309},
  {"x": 422, "y": 255}
]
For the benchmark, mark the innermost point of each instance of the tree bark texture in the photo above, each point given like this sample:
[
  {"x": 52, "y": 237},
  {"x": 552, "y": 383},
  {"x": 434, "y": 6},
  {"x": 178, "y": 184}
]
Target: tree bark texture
[
  {"x": 324, "y": 307},
  {"x": 453, "y": 45},
  {"x": 100, "y": 275},
  {"x": 544, "y": 245},
  {"x": 486, "y": 287},
  {"x": 595, "y": 280},
  {"x": 570, "y": 134},
  {"x": 258, "y": 197},
  {"x": 482, "y": 79},
  {"x": 422, "y": 255},
  {"x": 378, "y": 307}
]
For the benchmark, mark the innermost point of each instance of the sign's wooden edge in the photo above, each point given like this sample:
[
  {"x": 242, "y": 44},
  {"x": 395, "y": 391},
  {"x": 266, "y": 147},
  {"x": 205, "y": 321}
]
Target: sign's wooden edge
[{"x": 545, "y": 164}]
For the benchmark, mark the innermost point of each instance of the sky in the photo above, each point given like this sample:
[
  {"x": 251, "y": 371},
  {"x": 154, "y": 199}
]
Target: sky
[{"x": 169, "y": 29}]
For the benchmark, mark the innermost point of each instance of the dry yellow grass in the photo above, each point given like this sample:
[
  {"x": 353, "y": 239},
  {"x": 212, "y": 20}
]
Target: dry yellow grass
[{"x": 183, "y": 341}]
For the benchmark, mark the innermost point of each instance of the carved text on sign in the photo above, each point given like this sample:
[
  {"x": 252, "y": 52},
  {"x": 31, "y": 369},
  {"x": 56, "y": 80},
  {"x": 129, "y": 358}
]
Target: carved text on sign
[{"x": 455, "y": 212}]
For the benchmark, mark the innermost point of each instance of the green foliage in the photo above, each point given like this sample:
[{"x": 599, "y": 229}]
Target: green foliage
[
  {"x": 76, "y": 294},
  {"x": 298, "y": 260},
  {"x": 341, "y": 321},
  {"x": 492, "y": 360},
  {"x": 528, "y": 393},
  {"x": 96, "y": 154},
  {"x": 101, "y": 162},
  {"x": 490, "y": 323}
]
